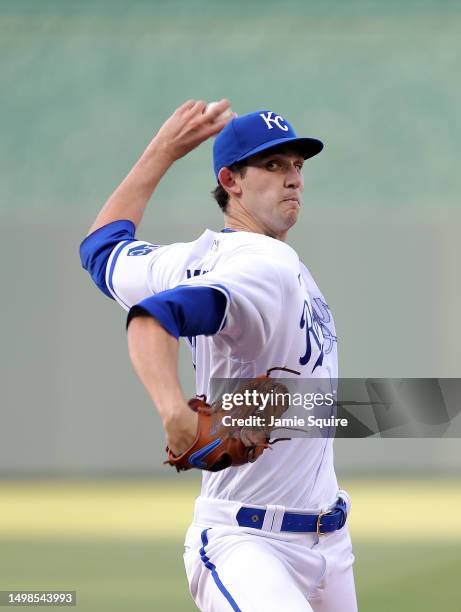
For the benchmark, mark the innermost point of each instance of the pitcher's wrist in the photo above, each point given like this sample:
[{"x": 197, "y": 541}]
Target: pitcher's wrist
[{"x": 174, "y": 416}]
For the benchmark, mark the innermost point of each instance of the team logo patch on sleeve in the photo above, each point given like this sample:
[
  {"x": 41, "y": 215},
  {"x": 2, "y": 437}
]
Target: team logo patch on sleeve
[{"x": 141, "y": 249}]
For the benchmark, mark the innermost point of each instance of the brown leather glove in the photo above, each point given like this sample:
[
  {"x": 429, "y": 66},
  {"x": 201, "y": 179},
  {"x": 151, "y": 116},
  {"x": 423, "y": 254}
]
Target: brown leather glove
[{"x": 218, "y": 446}]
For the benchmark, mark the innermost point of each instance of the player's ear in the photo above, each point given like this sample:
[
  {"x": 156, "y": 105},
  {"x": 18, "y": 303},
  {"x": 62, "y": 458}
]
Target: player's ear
[{"x": 227, "y": 178}]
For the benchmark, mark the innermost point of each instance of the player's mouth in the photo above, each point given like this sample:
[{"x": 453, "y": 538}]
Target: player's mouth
[{"x": 292, "y": 200}]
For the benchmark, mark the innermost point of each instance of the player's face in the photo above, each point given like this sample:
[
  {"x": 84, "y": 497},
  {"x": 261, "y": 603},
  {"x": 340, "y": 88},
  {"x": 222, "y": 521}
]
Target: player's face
[{"x": 271, "y": 190}]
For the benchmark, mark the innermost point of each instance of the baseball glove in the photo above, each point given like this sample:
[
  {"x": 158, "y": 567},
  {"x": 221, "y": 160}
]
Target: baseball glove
[{"x": 218, "y": 446}]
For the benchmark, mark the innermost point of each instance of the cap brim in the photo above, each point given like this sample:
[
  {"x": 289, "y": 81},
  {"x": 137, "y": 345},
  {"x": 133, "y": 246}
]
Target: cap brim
[{"x": 308, "y": 147}]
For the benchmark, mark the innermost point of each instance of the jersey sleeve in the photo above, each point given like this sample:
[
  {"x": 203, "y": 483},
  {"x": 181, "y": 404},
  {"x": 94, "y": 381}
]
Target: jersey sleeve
[
  {"x": 120, "y": 265},
  {"x": 184, "y": 310},
  {"x": 96, "y": 249},
  {"x": 131, "y": 272}
]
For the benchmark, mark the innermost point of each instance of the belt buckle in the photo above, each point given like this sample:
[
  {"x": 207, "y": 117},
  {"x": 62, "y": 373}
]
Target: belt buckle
[{"x": 319, "y": 523}]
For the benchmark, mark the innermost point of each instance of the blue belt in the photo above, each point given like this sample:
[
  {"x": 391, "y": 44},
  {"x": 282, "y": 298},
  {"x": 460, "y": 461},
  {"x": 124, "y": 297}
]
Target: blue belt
[{"x": 325, "y": 522}]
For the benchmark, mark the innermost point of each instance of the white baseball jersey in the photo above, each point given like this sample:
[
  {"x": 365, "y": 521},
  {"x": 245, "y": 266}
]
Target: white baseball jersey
[{"x": 275, "y": 317}]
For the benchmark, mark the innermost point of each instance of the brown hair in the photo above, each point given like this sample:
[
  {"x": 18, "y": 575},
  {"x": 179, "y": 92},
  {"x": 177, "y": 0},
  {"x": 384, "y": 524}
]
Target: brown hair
[{"x": 219, "y": 193}]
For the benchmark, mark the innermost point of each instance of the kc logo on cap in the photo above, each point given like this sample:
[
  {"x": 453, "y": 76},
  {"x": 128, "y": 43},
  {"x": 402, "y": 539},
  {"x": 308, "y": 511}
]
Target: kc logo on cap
[
  {"x": 269, "y": 119},
  {"x": 250, "y": 134}
]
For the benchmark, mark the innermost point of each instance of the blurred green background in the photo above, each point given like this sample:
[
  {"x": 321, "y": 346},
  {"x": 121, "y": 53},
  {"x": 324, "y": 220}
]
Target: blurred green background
[
  {"x": 84, "y": 87},
  {"x": 119, "y": 544}
]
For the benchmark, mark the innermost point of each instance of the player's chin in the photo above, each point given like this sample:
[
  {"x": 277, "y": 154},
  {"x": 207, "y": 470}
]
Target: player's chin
[{"x": 291, "y": 214}]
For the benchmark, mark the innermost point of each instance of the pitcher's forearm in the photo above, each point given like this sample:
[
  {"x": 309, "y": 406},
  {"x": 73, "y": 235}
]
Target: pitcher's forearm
[
  {"x": 130, "y": 199},
  {"x": 154, "y": 355}
]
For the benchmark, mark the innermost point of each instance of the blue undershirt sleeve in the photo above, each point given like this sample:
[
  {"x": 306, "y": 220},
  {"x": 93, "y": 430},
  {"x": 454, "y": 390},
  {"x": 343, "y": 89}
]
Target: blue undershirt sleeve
[
  {"x": 185, "y": 310},
  {"x": 95, "y": 250}
]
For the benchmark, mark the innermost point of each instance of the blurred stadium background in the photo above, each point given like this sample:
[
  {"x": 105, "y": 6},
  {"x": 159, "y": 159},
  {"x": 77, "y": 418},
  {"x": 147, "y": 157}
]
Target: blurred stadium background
[{"x": 85, "y": 503}]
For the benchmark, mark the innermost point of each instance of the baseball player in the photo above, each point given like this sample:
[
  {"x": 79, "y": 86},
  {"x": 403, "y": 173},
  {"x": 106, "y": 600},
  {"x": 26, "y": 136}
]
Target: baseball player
[{"x": 270, "y": 534}]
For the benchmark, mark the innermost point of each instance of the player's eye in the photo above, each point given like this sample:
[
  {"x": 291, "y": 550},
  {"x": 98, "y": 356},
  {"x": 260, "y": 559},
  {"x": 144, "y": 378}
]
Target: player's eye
[{"x": 272, "y": 164}]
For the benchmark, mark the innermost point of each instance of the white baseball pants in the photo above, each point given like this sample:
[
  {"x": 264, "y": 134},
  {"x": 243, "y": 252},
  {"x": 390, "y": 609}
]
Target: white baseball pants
[{"x": 258, "y": 570}]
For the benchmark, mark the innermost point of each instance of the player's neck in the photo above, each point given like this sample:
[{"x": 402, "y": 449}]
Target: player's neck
[
  {"x": 246, "y": 223},
  {"x": 239, "y": 227}
]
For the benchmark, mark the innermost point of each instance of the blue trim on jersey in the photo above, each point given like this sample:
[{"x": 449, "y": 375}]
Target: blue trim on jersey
[
  {"x": 226, "y": 230},
  {"x": 225, "y": 289},
  {"x": 110, "y": 281},
  {"x": 207, "y": 563},
  {"x": 227, "y": 292},
  {"x": 95, "y": 250},
  {"x": 185, "y": 310}
]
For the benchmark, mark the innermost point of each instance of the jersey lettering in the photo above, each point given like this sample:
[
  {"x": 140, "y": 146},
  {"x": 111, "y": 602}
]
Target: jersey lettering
[
  {"x": 322, "y": 315},
  {"x": 191, "y": 273},
  {"x": 314, "y": 331}
]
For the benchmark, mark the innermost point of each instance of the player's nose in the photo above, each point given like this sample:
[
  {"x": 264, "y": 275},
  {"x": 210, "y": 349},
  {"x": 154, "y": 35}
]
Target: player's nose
[{"x": 293, "y": 178}]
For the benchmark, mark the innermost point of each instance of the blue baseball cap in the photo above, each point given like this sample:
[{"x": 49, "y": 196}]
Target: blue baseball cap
[{"x": 250, "y": 134}]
